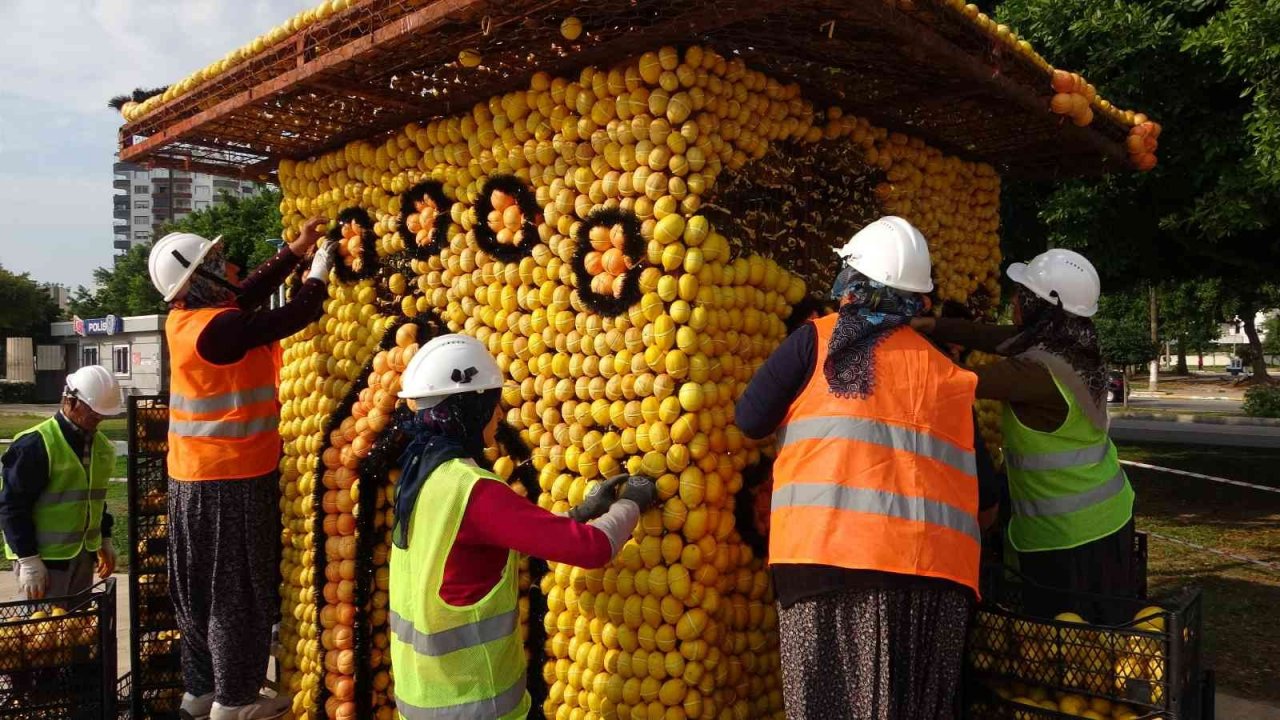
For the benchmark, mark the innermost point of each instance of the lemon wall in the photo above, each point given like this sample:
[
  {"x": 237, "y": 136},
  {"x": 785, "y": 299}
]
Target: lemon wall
[{"x": 634, "y": 364}]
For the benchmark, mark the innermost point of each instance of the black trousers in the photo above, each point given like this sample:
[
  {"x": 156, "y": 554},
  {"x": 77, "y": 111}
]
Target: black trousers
[{"x": 224, "y": 578}]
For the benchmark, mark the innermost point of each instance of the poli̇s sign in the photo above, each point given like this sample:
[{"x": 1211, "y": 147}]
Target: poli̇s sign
[{"x": 109, "y": 325}]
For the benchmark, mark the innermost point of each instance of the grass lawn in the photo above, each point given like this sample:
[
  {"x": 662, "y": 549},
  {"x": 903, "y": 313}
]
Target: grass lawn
[
  {"x": 1242, "y": 637},
  {"x": 10, "y": 425}
]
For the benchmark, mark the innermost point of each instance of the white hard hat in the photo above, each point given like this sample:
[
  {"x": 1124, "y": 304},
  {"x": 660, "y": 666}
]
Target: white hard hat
[
  {"x": 1061, "y": 277},
  {"x": 96, "y": 387},
  {"x": 174, "y": 259},
  {"x": 448, "y": 365},
  {"x": 891, "y": 251}
]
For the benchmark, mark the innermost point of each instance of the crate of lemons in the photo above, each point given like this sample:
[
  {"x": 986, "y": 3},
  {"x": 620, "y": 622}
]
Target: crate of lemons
[
  {"x": 1072, "y": 667},
  {"x": 49, "y": 637}
]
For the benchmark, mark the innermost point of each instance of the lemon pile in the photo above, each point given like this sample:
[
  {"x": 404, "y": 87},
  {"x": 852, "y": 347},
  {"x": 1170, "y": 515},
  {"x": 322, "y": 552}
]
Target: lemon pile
[
  {"x": 321, "y": 366},
  {"x": 989, "y": 413},
  {"x": 1092, "y": 662},
  {"x": 682, "y": 624},
  {"x": 41, "y": 640}
]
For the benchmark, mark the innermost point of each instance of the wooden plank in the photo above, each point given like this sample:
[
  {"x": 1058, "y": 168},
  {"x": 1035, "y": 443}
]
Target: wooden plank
[{"x": 413, "y": 22}]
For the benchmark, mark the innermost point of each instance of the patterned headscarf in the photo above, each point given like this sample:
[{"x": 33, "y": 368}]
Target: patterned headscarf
[
  {"x": 1071, "y": 338},
  {"x": 865, "y": 321},
  {"x": 208, "y": 286},
  {"x": 451, "y": 430}
]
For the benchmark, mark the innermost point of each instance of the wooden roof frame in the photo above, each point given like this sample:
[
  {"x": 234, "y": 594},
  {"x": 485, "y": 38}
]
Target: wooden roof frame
[{"x": 194, "y": 130}]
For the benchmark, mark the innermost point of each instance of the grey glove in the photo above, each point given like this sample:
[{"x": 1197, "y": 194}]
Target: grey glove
[
  {"x": 641, "y": 490},
  {"x": 33, "y": 577},
  {"x": 598, "y": 499},
  {"x": 322, "y": 262}
]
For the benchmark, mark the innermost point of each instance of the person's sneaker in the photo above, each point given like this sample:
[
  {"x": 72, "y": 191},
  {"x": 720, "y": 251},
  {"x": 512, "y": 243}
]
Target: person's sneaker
[
  {"x": 263, "y": 708},
  {"x": 195, "y": 708}
]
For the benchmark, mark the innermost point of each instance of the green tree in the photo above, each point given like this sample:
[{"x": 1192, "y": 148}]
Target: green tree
[
  {"x": 1124, "y": 329},
  {"x": 1211, "y": 209},
  {"x": 1271, "y": 344},
  {"x": 245, "y": 224},
  {"x": 1189, "y": 315},
  {"x": 26, "y": 309}
]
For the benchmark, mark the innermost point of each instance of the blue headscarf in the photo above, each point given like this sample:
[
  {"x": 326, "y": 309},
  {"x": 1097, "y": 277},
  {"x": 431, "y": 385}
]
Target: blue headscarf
[
  {"x": 452, "y": 430},
  {"x": 873, "y": 311}
]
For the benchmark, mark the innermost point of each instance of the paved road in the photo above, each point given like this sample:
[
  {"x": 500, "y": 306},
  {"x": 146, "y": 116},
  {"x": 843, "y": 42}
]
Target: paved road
[
  {"x": 1254, "y": 436},
  {"x": 1182, "y": 406}
]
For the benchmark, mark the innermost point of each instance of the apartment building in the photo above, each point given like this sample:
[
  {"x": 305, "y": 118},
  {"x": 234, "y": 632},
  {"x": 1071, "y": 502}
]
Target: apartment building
[{"x": 147, "y": 200}]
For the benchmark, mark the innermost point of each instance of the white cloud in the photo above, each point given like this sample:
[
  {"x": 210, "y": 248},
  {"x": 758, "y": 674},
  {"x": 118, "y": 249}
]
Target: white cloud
[{"x": 62, "y": 61}]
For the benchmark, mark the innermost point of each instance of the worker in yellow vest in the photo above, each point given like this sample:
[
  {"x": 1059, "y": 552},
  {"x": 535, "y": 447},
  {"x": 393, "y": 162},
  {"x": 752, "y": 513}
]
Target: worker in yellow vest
[
  {"x": 458, "y": 537},
  {"x": 224, "y": 450},
  {"x": 53, "y": 492},
  {"x": 874, "y": 536},
  {"x": 1071, "y": 503}
]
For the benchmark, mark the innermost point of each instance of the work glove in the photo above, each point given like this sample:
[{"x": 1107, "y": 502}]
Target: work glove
[
  {"x": 641, "y": 490},
  {"x": 598, "y": 499},
  {"x": 33, "y": 577},
  {"x": 106, "y": 559},
  {"x": 322, "y": 263}
]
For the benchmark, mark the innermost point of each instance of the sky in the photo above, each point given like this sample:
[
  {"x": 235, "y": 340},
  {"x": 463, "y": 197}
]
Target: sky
[{"x": 59, "y": 64}]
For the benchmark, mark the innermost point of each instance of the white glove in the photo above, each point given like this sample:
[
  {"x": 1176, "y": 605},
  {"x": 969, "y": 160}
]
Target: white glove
[
  {"x": 322, "y": 262},
  {"x": 33, "y": 577}
]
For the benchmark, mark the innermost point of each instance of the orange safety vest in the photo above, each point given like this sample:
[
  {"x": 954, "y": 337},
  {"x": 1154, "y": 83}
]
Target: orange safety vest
[
  {"x": 887, "y": 482},
  {"x": 223, "y": 419}
]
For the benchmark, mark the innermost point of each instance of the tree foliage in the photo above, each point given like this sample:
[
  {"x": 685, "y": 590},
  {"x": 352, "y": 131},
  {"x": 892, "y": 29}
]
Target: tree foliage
[
  {"x": 1211, "y": 209},
  {"x": 26, "y": 309},
  {"x": 1271, "y": 343},
  {"x": 245, "y": 224},
  {"x": 1124, "y": 329}
]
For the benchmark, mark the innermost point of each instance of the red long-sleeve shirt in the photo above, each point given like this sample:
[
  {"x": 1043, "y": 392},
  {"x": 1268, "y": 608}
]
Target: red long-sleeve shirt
[{"x": 496, "y": 520}]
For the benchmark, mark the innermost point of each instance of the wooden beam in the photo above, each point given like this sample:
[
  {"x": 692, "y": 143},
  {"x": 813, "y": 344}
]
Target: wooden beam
[{"x": 416, "y": 21}]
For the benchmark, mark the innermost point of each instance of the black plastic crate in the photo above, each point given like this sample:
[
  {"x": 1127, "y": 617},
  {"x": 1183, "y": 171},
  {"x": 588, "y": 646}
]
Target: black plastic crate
[
  {"x": 149, "y": 485},
  {"x": 1010, "y": 703},
  {"x": 148, "y": 425},
  {"x": 1152, "y": 661},
  {"x": 63, "y": 665},
  {"x": 149, "y": 536},
  {"x": 159, "y": 660},
  {"x": 157, "y": 704},
  {"x": 124, "y": 697}
]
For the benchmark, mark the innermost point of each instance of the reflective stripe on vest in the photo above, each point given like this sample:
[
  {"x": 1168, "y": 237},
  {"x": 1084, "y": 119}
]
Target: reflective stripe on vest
[
  {"x": 1064, "y": 504},
  {"x": 879, "y": 433},
  {"x": 885, "y": 482},
  {"x": 48, "y": 537},
  {"x": 878, "y": 502},
  {"x": 68, "y": 514},
  {"x": 224, "y": 428},
  {"x": 455, "y": 639},
  {"x": 226, "y": 401},
  {"x": 1059, "y": 460},
  {"x": 1066, "y": 486},
  {"x": 73, "y": 496},
  {"x": 223, "y": 419},
  {"x": 507, "y": 701}
]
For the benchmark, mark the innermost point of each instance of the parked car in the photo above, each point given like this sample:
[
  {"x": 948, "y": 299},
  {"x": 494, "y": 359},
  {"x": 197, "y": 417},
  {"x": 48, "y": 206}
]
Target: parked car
[{"x": 1117, "y": 388}]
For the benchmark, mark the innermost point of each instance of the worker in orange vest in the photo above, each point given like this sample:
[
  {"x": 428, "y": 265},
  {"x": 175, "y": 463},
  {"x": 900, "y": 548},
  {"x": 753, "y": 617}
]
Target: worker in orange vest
[
  {"x": 875, "y": 535},
  {"x": 224, "y": 451}
]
